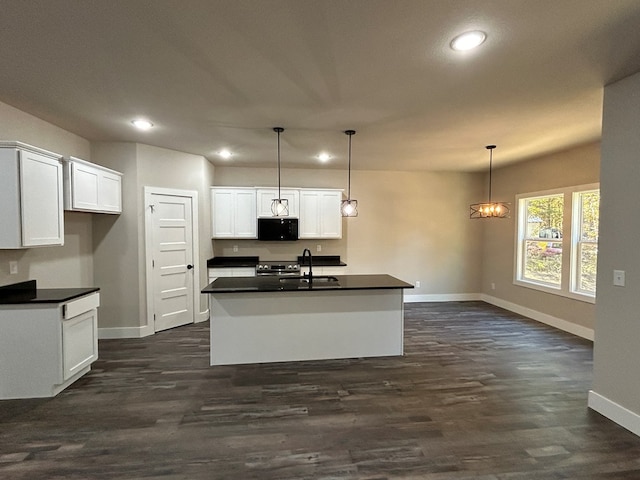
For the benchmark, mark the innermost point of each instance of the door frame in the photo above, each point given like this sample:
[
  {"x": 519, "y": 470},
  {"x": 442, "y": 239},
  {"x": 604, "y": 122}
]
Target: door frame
[{"x": 148, "y": 249}]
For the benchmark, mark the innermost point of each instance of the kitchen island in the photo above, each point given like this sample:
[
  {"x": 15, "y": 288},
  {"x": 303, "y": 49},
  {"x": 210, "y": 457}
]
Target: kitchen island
[{"x": 277, "y": 319}]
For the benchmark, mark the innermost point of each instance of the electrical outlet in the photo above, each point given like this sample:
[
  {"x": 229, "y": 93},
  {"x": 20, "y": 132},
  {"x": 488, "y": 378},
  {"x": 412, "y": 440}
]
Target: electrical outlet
[
  {"x": 318, "y": 248},
  {"x": 493, "y": 286},
  {"x": 417, "y": 283},
  {"x": 618, "y": 278},
  {"x": 13, "y": 267},
  {"x": 235, "y": 248}
]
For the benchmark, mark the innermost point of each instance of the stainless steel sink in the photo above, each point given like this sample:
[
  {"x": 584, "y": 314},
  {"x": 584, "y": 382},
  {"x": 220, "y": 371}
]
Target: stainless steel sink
[{"x": 315, "y": 281}]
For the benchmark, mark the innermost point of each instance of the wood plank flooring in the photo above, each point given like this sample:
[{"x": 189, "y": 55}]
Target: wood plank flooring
[{"x": 481, "y": 394}]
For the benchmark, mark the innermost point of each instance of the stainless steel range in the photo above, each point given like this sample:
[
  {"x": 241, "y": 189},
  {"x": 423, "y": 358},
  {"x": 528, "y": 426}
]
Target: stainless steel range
[{"x": 277, "y": 267}]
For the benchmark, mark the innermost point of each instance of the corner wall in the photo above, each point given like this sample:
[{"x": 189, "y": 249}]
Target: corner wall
[
  {"x": 577, "y": 166},
  {"x": 616, "y": 388},
  {"x": 119, "y": 240}
]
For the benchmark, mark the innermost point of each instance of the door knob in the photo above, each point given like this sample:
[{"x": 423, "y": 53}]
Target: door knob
[{"x": 189, "y": 267}]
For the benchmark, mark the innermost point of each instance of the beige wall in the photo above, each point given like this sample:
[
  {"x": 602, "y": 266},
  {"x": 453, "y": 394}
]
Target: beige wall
[
  {"x": 573, "y": 167},
  {"x": 413, "y": 225},
  {"x": 616, "y": 354},
  {"x": 70, "y": 265},
  {"x": 115, "y": 242},
  {"x": 120, "y": 241},
  {"x": 159, "y": 167}
]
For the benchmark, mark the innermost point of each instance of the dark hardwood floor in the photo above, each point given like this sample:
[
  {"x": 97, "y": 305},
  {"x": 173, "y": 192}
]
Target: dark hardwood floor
[{"x": 480, "y": 394}]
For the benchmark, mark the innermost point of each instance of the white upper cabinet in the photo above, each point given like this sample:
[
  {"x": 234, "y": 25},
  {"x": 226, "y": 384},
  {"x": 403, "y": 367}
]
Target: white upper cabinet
[
  {"x": 266, "y": 195},
  {"x": 320, "y": 214},
  {"x": 91, "y": 188},
  {"x": 233, "y": 212},
  {"x": 31, "y": 195}
]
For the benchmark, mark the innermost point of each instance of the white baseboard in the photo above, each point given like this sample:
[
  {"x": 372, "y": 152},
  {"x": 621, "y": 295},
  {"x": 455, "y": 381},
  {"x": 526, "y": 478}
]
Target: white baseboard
[
  {"x": 617, "y": 413},
  {"x": 445, "y": 297},
  {"x": 555, "y": 322},
  {"x": 125, "y": 332},
  {"x": 202, "y": 316},
  {"x": 139, "y": 332}
]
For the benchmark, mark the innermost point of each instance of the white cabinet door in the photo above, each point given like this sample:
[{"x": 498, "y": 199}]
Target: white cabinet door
[
  {"x": 309, "y": 214},
  {"x": 330, "y": 217},
  {"x": 246, "y": 224},
  {"x": 320, "y": 214},
  {"x": 215, "y": 272},
  {"x": 110, "y": 192},
  {"x": 91, "y": 188},
  {"x": 265, "y": 197},
  {"x": 233, "y": 213},
  {"x": 41, "y": 196},
  {"x": 222, "y": 213},
  {"x": 84, "y": 187},
  {"x": 79, "y": 342}
]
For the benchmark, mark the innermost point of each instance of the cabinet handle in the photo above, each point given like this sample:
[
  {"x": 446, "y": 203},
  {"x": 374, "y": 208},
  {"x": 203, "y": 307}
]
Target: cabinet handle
[{"x": 189, "y": 267}]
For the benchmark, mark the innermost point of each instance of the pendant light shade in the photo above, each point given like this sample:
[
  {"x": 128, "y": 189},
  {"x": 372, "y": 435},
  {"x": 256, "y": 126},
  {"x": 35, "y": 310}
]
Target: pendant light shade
[
  {"x": 490, "y": 209},
  {"x": 349, "y": 207},
  {"x": 279, "y": 206}
]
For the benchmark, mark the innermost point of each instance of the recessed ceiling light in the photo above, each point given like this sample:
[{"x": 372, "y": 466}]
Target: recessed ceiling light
[
  {"x": 324, "y": 157},
  {"x": 142, "y": 124},
  {"x": 224, "y": 153},
  {"x": 468, "y": 40}
]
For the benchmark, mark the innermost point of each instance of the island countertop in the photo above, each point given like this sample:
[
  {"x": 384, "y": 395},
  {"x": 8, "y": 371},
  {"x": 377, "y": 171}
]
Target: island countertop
[{"x": 288, "y": 284}]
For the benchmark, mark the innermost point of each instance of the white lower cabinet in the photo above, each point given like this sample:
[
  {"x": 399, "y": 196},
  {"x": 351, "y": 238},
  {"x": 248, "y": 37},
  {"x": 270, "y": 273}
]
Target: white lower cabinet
[
  {"x": 79, "y": 343},
  {"x": 44, "y": 348},
  {"x": 215, "y": 272},
  {"x": 329, "y": 270}
]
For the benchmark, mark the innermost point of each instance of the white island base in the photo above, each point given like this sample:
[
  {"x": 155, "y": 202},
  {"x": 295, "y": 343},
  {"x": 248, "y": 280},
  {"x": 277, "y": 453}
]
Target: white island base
[{"x": 260, "y": 327}]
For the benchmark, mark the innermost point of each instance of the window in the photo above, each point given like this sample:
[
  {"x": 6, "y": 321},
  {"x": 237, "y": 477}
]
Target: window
[
  {"x": 549, "y": 256},
  {"x": 587, "y": 207},
  {"x": 542, "y": 243}
]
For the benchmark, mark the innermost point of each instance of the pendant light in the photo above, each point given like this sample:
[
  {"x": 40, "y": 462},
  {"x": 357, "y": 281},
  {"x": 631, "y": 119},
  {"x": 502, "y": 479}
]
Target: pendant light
[
  {"x": 490, "y": 209},
  {"x": 279, "y": 206},
  {"x": 349, "y": 207}
]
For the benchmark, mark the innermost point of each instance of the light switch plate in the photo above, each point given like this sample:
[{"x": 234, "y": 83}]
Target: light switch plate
[{"x": 618, "y": 278}]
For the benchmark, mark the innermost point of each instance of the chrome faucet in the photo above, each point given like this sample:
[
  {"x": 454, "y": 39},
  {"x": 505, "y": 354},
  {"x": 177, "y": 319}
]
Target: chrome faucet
[{"x": 306, "y": 252}]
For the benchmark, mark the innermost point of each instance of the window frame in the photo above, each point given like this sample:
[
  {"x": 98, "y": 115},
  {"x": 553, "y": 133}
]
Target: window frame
[
  {"x": 570, "y": 244},
  {"x": 577, "y": 241}
]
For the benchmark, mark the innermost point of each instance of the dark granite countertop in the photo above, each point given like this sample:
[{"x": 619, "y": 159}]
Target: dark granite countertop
[
  {"x": 323, "y": 261},
  {"x": 230, "y": 262},
  {"x": 28, "y": 293},
  {"x": 287, "y": 284}
]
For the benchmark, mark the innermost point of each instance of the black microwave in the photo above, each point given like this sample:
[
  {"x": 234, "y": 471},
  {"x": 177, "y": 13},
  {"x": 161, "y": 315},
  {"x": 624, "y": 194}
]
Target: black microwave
[{"x": 277, "y": 229}]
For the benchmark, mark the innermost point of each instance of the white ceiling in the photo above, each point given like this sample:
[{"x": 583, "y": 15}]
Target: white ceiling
[{"x": 215, "y": 74}]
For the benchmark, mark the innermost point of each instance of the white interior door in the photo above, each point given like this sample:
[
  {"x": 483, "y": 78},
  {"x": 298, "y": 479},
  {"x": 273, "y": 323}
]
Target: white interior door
[{"x": 172, "y": 260}]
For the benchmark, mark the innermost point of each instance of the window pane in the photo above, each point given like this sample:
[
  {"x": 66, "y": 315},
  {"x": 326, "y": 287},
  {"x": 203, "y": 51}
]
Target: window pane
[
  {"x": 544, "y": 217},
  {"x": 542, "y": 257},
  {"x": 543, "y": 261},
  {"x": 590, "y": 205},
  {"x": 588, "y": 263}
]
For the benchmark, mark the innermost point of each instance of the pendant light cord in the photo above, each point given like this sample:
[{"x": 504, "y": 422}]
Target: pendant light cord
[
  {"x": 490, "y": 148},
  {"x": 278, "y": 130},
  {"x": 490, "y": 170},
  {"x": 350, "y": 133}
]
